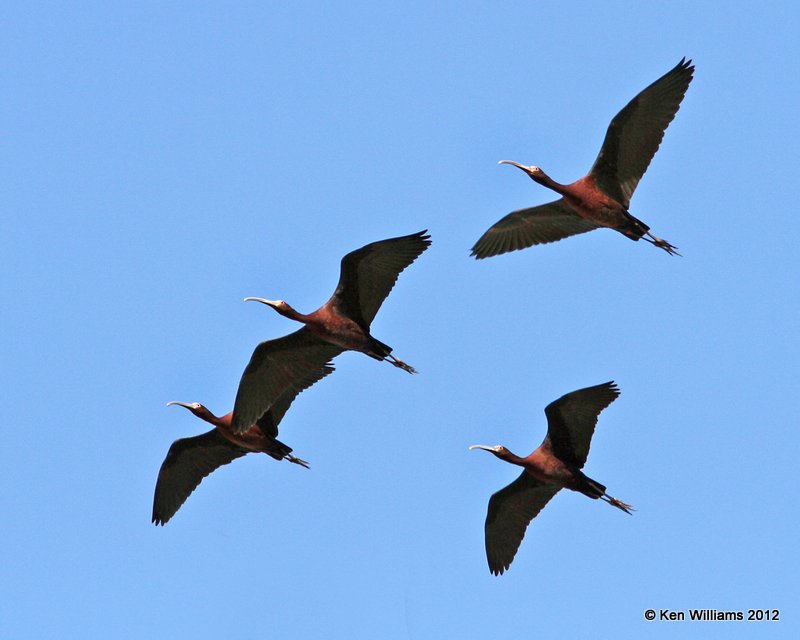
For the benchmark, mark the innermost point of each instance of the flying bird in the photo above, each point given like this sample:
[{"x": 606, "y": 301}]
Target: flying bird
[
  {"x": 602, "y": 198},
  {"x": 555, "y": 465},
  {"x": 342, "y": 323},
  {"x": 189, "y": 460}
]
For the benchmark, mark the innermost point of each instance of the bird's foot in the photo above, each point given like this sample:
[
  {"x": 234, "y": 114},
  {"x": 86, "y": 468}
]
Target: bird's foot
[
  {"x": 397, "y": 362},
  {"x": 619, "y": 504},
  {"x": 297, "y": 460},
  {"x": 663, "y": 244}
]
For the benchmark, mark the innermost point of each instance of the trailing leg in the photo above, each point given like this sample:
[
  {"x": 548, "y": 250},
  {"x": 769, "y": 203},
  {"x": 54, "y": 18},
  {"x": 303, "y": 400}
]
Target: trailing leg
[
  {"x": 617, "y": 503},
  {"x": 397, "y": 362},
  {"x": 297, "y": 460},
  {"x": 661, "y": 244}
]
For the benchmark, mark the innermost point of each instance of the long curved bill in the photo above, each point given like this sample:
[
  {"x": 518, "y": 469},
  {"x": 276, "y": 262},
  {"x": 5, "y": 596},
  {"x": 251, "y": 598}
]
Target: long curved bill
[
  {"x": 262, "y": 301},
  {"x": 515, "y": 164},
  {"x": 484, "y": 447},
  {"x": 180, "y": 404}
]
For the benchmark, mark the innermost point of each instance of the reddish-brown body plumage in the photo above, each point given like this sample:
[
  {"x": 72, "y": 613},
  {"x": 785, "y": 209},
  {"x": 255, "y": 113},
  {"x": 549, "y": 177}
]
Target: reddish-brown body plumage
[
  {"x": 601, "y": 198},
  {"x": 367, "y": 276},
  {"x": 594, "y": 205},
  {"x": 544, "y": 466},
  {"x": 189, "y": 460},
  {"x": 330, "y": 325},
  {"x": 556, "y": 464},
  {"x": 253, "y": 439}
]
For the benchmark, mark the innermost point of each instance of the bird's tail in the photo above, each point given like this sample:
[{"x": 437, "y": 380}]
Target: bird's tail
[
  {"x": 280, "y": 451},
  {"x": 379, "y": 349},
  {"x": 636, "y": 229},
  {"x": 592, "y": 488},
  {"x": 277, "y": 449}
]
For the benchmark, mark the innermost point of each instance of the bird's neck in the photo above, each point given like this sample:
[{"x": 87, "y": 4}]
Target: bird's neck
[
  {"x": 512, "y": 458},
  {"x": 292, "y": 314},
  {"x": 205, "y": 414},
  {"x": 546, "y": 181}
]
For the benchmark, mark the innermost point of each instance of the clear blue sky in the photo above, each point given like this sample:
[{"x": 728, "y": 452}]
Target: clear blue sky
[{"x": 161, "y": 161}]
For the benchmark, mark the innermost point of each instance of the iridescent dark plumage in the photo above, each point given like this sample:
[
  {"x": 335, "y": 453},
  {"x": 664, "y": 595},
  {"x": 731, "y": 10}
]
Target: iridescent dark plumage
[
  {"x": 555, "y": 465},
  {"x": 342, "y": 323},
  {"x": 602, "y": 198},
  {"x": 189, "y": 460}
]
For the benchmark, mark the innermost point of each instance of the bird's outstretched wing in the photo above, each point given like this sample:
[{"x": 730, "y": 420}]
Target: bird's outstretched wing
[
  {"x": 368, "y": 274},
  {"x": 572, "y": 418},
  {"x": 510, "y": 511},
  {"x": 636, "y": 132},
  {"x": 526, "y": 227},
  {"x": 188, "y": 461},
  {"x": 268, "y": 423},
  {"x": 277, "y": 366}
]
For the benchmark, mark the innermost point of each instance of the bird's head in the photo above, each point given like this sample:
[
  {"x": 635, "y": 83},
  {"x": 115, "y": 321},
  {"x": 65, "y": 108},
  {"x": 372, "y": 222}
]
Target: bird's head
[
  {"x": 195, "y": 407},
  {"x": 499, "y": 450},
  {"x": 533, "y": 171}
]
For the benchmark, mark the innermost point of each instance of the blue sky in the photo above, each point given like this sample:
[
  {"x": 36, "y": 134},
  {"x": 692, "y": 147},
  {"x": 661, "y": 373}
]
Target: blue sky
[{"x": 163, "y": 161}]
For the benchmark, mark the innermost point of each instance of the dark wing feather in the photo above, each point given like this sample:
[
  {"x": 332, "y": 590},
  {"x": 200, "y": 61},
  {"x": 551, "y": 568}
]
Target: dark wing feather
[
  {"x": 636, "y": 132},
  {"x": 188, "y": 461},
  {"x": 275, "y": 367},
  {"x": 510, "y": 511},
  {"x": 268, "y": 423},
  {"x": 526, "y": 227},
  {"x": 572, "y": 418},
  {"x": 368, "y": 275}
]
